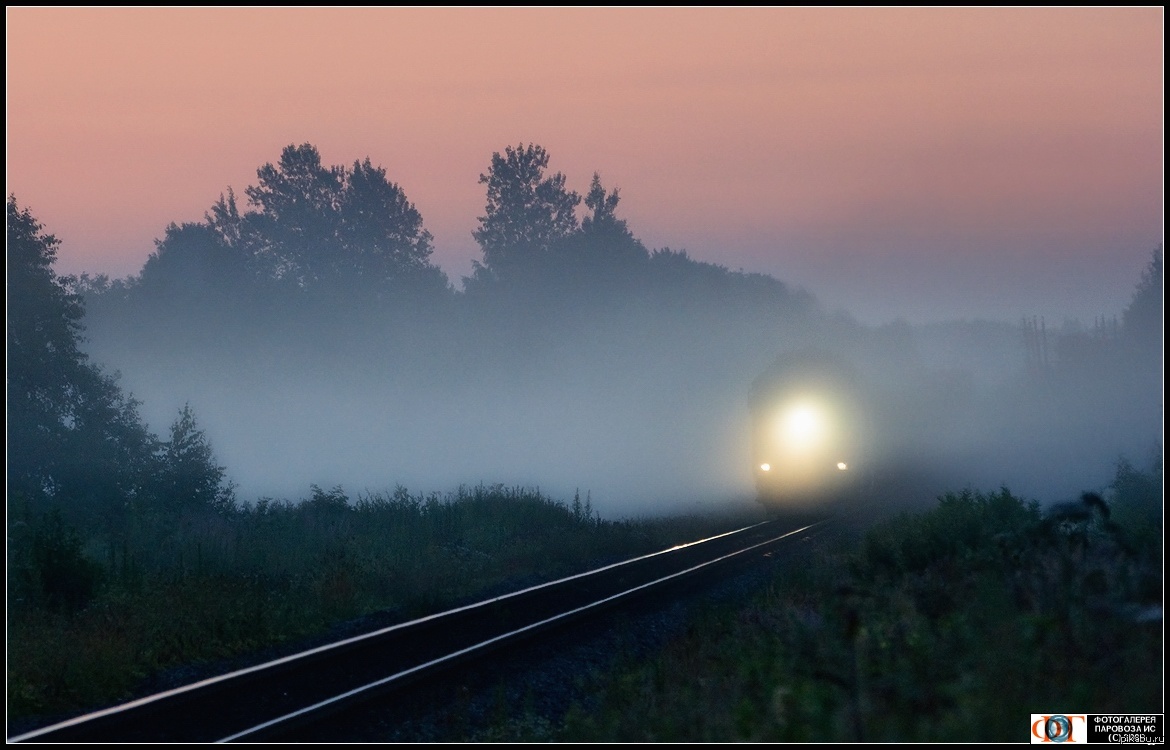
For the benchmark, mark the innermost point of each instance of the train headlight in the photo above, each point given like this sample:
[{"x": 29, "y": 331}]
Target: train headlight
[
  {"x": 765, "y": 467},
  {"x": 803, "y": 427},
  {"x": 842, "y": 466}
]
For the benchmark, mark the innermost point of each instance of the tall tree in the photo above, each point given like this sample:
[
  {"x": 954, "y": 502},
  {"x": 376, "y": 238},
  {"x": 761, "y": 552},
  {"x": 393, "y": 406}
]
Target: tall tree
[
  {"x": 190, "y": 478},
  {"x": 382, "y": 236},
  {"x": 335, "y": 228},
  {"x": 527, "y": 212},
  {"x": 1144, "y": 320},
  {"x": 73, "y": 437},
  {"x": 296, "y": 226},
  {"x": 193, "y": 262},
  {"x": 45, "y": 363},
  {"x": 603, "y": 204},
  {"x": 606, "y": 240}
]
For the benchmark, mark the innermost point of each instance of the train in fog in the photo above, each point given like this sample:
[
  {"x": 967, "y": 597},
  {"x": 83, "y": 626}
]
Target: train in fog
[{"x": 812, "y": 433}]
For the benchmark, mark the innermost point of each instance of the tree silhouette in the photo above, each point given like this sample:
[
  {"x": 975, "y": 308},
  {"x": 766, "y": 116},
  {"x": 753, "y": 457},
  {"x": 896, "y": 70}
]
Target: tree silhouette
[
  {"x": 382, "y": 235},
  {"x": 190, "y": 477},
  {"x": 191, "y": 263},
  {"x": 295, "y": 229},
  {"x": 605, "y": 250},
  {"x": 225, "y": 221},
  {"x": 603, "y": 221},
  {"x": 526, "y": 213},
  {"x": 73, "y": 437},
  {"x": 46, "y": 367},
  {"x": 1144, "y": 320},
  {"x": 318, "y": 227}
]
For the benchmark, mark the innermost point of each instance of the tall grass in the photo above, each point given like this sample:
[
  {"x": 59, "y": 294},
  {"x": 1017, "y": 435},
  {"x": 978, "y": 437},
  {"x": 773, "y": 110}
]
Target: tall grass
[
  {"x": 196, "y": 589},
  {"x": 949, "y": 625}
]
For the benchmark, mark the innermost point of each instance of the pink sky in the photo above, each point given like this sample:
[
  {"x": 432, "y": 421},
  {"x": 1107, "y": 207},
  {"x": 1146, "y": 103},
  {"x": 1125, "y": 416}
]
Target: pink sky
[{"x": 922, "y": 164}]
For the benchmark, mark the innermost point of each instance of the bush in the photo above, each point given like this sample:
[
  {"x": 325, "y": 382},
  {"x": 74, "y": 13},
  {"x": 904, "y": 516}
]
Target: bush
[
  {"x": 67, "y": 578},
  {"x": 1137, "y": 496},
  {"x": 960, "y": 527},
  {"x": 938, "y": 626}
]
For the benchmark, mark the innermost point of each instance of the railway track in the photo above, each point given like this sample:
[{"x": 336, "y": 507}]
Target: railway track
[{"x": 288, "y": 696}]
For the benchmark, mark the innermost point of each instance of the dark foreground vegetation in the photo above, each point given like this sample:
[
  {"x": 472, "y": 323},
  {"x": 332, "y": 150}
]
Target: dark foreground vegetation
[
  {"x": 91, "y": 624},
  {"x": 950, "y": 625}
]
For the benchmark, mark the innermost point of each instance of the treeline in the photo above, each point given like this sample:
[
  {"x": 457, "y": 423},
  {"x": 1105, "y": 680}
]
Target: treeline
[
  {"x": 333, "y": 264},
  {"x": 312, "y": 293},
  {"x": 350, "y": 235},
  {"x": 330, "y": 267},
  {"x": 318, "y": 297}
]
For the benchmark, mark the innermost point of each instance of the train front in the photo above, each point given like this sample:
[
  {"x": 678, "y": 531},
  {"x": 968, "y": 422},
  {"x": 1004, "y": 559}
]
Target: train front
[{"x": 810, "y": 437}]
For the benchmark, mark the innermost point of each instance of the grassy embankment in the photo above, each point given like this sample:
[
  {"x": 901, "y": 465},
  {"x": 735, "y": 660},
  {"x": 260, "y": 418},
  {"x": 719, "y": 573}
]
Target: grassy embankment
[
  {"x": 95, "y": 621},
  {"x": 951, "y": 625}
]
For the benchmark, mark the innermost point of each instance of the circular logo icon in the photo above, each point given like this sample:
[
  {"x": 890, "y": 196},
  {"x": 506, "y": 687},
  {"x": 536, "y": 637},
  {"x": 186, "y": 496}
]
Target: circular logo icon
[{"x": 1058, "y": 728}]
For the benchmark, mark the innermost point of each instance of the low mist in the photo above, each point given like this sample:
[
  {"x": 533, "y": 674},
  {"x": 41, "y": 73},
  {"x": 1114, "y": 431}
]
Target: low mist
[
  {"x": 639, "y": 404},
  {"x": 317, "y": 344}
]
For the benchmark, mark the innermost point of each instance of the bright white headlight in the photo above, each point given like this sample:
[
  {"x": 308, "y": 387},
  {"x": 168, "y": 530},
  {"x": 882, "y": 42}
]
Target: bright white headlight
[{"x": 803, "y": 426}]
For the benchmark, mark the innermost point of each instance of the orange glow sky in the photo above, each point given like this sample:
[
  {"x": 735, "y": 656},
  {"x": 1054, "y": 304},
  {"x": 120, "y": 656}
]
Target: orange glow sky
[{"x": 910, "y": 163}]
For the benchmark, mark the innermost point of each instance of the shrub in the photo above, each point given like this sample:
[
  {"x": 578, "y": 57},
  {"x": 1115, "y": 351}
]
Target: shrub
[{"x": 67, "y": 578}]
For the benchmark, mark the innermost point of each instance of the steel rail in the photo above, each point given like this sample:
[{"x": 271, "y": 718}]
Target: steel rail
[{"x": 211, "y": 685}]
